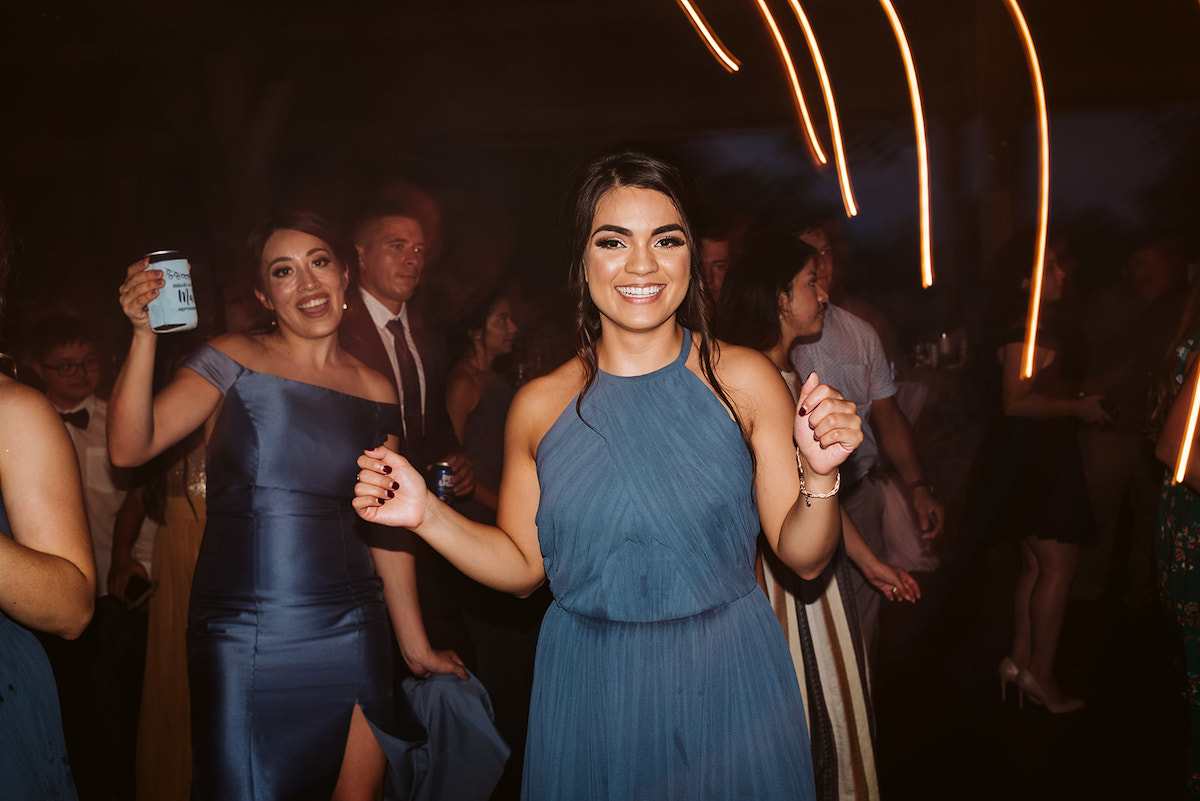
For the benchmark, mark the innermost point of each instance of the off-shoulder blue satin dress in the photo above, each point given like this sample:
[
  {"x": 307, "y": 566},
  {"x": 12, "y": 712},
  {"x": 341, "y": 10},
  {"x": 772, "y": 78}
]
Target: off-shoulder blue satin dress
[
  {"x": 662, "y": 672},
  {"x": 287, "y": 628}
]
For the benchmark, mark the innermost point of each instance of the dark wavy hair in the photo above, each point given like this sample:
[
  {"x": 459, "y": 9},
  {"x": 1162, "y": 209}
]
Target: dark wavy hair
[
  {"x": 763, "y": 268},
  {"x": 590, "y": 182},
  {"x": 473, "y": 318},
  {"x": 303, "y": 221}
]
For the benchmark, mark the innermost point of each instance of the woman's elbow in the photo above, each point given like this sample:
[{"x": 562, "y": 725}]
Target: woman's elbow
[
  {"x": 812, "y": 572},
  {"x": 122, "y": 456},
  {"x": 75, "y": 620}
]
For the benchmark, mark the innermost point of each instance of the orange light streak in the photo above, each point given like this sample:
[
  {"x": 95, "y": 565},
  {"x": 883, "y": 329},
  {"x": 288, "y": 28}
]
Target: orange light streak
[
  {"x": 839, "y": 156},
  {"x": 715, "y": 46},
  {"x": 914, "y": 90},
  {"x": 1185, "y": 448},
  {"x": 1035, "y": 289},
  {"x": 781, "y": 46}
]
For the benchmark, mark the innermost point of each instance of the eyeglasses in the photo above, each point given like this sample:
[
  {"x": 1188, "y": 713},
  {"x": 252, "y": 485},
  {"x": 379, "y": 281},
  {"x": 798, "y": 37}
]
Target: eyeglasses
[{"x": 68, "y": 369}]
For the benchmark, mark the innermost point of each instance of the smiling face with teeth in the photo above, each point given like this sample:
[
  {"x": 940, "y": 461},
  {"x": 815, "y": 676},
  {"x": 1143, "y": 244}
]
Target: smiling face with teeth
[
  {"x": 638, "y": 260},
  {"x": 303, "y": 283}
]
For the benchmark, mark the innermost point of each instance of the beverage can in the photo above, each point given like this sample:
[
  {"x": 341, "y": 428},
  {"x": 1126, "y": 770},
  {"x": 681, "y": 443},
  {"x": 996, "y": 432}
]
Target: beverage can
[
  {"x": 175, "y": 307},
  {"x": 440, "y": 474}
]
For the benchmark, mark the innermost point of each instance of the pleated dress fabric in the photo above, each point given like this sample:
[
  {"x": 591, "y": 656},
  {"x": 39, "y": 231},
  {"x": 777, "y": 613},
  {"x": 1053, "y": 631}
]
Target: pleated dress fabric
[
  {"x": 287, "y": 628},
  {"x": 661, "y": 671},
  {"x": 33, "y": 753}
]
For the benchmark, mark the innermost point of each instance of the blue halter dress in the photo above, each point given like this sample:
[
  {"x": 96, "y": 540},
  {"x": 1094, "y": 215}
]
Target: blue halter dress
[{"x": 662, "y": 672}]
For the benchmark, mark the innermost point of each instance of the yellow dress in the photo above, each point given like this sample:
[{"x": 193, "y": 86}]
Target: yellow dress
[{"x": 164, "y": 748}]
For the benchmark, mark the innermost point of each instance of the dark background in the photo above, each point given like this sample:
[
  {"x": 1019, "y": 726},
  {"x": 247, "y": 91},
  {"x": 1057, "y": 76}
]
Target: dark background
[{"x": 135, "y": 126}]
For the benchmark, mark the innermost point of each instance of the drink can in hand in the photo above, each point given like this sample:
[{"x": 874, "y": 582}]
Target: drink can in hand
[
  {"x": 440, "y": 475},
  {"x": 175, "y": 307}
]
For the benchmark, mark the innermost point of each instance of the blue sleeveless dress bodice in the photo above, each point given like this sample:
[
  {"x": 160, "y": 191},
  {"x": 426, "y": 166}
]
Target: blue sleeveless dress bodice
[
  {"x": 662, "y": 672},
  {"x": 33, "y": 753},
  {"x": 287, "y": 629}
]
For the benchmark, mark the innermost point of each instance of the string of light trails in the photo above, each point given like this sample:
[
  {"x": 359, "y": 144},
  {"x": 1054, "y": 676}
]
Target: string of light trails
[
  {"x": 835, "y": 129},
  {"x": 797, "y": 92},
  {"x": 914, "y": 90},
  {"x": 1043, "y": 205},
  {"x": 715, "y": 46},
  {"x": 730, "y": 63},
  {"x": 1189, "y": 433}
]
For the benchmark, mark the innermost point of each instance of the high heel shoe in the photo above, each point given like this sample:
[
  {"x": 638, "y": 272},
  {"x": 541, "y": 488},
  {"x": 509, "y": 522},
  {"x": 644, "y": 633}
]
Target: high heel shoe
[
  {"x": 1028, "y": 685},
  {"x": 1008, "y": 671}
]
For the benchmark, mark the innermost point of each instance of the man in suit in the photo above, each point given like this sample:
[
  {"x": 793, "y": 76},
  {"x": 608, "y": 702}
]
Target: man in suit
[{"x": 382, "y": 330}]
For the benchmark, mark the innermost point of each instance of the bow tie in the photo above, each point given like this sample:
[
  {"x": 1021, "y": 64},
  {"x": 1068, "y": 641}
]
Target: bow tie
[{"x": 77, "y": 418}]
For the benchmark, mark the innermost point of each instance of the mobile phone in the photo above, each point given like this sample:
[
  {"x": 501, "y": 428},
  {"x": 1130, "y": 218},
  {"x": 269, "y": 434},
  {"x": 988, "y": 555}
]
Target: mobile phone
[{"x": 138, "y": 591}]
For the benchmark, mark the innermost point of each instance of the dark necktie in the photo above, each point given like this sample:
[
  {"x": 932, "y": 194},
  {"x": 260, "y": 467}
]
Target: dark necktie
[
  {"x": 77, "y": 418},
  {"x": 410, "y": 385}
]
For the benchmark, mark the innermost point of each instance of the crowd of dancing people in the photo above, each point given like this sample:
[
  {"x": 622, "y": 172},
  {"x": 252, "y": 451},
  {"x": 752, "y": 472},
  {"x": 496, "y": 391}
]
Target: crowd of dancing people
[{"x": 345, "y": 550}]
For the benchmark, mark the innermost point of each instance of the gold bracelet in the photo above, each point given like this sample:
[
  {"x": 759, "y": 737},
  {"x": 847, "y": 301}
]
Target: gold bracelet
[{"x": 808, "y": 496}]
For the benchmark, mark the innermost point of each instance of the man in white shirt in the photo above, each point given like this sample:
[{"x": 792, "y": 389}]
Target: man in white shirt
[{"x": 848, "y": 355}]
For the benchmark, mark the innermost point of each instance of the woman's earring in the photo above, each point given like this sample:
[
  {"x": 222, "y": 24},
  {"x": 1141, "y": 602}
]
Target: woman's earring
[{"x": 345, "y": 306}]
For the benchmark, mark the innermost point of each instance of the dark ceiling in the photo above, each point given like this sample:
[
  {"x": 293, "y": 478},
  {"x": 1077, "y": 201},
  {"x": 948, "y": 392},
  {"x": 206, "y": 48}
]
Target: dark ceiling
[{"x": 138, "y": 120}]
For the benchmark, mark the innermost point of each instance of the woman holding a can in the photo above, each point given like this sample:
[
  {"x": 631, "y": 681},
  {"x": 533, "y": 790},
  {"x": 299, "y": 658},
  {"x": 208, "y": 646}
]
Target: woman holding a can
[
  {"x": 636, "y": 478},
  {"x": 288, "y": 648}
]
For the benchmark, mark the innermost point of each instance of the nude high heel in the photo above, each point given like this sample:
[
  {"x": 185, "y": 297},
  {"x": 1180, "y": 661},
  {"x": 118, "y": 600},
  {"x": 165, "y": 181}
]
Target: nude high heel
[
  {"x": 1008, "y": 671},
  {"x": 1028, "y": 685}
]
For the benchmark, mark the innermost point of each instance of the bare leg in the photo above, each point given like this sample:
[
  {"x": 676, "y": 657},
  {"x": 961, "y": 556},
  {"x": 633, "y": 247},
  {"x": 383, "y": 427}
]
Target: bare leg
[
  {"x": 1022, "y": 646},
  {"x": 361, "y": 777},
  {"x": 1048, "y": 605}
]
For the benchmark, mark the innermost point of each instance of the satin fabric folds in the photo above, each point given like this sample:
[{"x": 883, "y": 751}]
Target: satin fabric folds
[
  {"x": 287, "y": 628},
  {"x": 661, "y": 671}
]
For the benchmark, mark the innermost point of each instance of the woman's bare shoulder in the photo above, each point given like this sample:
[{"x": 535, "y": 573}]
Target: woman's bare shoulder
[
  {"x": 24, "y": 410},
  {"x": 375, "y": 386},
  {"x": 740, "y": 368},
  {"x": 540, "y": 402},
  {"x": 242, "y": 348}
]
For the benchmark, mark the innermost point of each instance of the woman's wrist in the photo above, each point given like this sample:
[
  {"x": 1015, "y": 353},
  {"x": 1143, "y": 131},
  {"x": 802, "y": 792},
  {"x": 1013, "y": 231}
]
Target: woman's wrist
[{"x": 814, "y": 485}]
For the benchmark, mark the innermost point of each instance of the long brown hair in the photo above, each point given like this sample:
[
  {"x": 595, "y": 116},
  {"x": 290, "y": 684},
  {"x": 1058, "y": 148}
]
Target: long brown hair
[{"x": 591, "y": 181}]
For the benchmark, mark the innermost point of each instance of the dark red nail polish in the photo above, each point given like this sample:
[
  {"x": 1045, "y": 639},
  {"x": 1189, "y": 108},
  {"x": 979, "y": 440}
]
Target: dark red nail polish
[
  {"x": 395, "y": 485},
  {"x": 803, "y": 411},
  {"x": 387, "y": 468},
  {"x": 381, "y": 501},
  {"x": 391, "y": 494}
]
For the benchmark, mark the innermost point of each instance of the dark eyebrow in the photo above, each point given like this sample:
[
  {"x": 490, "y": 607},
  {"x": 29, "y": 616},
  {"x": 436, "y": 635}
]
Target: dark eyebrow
[
  {"x": 275, "y": 261},
  {"x": 616, "y": 229}
]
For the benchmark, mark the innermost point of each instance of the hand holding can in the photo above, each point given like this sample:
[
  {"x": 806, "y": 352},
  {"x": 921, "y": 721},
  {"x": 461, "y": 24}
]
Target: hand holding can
[{"x": 175, "y": 307}]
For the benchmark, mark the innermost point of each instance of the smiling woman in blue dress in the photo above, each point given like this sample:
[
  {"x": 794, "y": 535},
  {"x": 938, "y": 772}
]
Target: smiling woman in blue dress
[
  {"x": 288, "y": 649},
  {"x": 636, "y": 478}
]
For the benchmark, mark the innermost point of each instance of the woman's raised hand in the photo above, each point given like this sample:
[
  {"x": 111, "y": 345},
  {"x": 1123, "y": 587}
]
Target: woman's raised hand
[
  {"x": 389, "y": 490},
  {"x": 140, "y": 287},
  {"x": 827, "y": 427}
]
